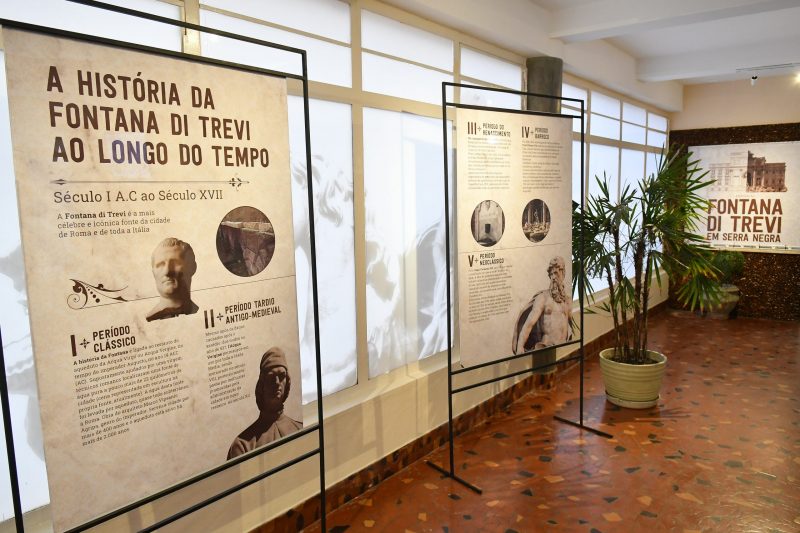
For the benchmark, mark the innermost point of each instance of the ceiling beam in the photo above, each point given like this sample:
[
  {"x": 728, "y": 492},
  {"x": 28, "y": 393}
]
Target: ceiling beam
[
  {"x": 719, "y": 62},
  {"x": 611, "y": 18}
]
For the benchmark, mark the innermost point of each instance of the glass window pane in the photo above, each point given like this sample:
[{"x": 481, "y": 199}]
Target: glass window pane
[
  {"x": 332, "y": 172},
  {"x": 605, "y": 105},
  {"x": 576, "y": 124},
  {"x": 102, "y": 23},
  {"x": 656, "y": 122},
  {"x": 404, "y": 204},
  {"x": 403, "y": 80},
  {"x": 632, "y": 170},
  {"x": 327, "y": 63},
  {"x": 490, "y": 98},
  {"x": 651, "y": 163},
  {"x": 656, "y": 138},
  {"x": 633, "y": 134},
  {"x": 491, "y": 69},
  {"x": 570, "y": 91},
  {"x": 321, "y": 17},
  {"x": 603, "y": 159},
  {"x": 383, "y": 34},
  {"x": 635, "y": 114},
  {"x": 605, "y": 127},
  {"x": 632, "y": 167}
]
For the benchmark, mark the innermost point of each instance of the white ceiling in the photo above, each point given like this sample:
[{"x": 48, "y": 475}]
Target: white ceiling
[
  {"x": 690, "y": 41},
  {"x": 686, "y": 41}
]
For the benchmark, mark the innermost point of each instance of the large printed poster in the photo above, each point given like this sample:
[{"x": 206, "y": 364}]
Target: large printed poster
[
  {"x": 157, "y": 232},
  {"x": 514, "y": 224},
  {"x": 754, "y": 198}
]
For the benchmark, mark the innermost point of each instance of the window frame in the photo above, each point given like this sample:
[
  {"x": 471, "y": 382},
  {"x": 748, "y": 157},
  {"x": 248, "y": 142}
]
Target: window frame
[{"x": 590, "y": 138}]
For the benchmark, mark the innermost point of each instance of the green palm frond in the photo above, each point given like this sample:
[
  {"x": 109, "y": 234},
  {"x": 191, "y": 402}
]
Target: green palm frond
[{"x": 651, "y": 228}]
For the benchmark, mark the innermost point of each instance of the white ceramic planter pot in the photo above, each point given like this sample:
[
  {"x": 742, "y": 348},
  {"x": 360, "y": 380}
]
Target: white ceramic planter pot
[{"x": 634, "y": 386}]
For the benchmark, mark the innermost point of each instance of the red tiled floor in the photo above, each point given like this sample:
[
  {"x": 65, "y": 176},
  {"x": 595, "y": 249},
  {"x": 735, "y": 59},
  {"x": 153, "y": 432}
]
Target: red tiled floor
[{"x": 720, "y": 452}]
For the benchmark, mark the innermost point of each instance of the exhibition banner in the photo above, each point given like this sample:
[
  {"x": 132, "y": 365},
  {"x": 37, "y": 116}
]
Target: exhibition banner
[
  {"x": 514, "y": 232},
  {"x": 754, "y": 198},
  {"x": 156, "y": 218}
]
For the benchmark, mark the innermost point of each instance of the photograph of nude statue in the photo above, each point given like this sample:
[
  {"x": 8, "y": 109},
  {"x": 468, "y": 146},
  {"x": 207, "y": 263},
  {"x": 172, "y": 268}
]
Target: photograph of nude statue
[{"x": 546, "y": 319}]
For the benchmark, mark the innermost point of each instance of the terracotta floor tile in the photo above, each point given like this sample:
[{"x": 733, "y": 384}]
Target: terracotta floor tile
[{"x": 720, "y": 451}]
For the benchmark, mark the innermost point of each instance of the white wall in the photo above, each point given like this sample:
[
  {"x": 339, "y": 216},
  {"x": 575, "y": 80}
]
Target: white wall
[{"x": 772, "y": 100}]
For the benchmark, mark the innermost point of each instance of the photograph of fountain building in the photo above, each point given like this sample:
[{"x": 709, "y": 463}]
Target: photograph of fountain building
[{"x": 763, "y": 176}]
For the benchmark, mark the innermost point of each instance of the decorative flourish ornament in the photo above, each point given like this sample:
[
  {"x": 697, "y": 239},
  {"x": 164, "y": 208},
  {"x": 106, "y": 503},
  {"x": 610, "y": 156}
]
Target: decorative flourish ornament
[{"x": 87, "y": 295}]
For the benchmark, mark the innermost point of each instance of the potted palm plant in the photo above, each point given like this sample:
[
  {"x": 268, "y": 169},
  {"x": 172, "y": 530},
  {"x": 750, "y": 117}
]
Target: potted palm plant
[{"x": 628, "y": 244}]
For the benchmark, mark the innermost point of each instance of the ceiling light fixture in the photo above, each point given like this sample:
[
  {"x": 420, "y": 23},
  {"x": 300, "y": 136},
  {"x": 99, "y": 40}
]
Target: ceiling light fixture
[{"x": 753, "y": 80}]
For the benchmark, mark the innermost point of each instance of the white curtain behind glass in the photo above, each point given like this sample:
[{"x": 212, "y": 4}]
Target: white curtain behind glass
[
  {"x": 406, "y": 274},
  {"x": 332, "y": 169},
  {"x": 102, "y": 23},
  {"x": 603, "y": 159}
]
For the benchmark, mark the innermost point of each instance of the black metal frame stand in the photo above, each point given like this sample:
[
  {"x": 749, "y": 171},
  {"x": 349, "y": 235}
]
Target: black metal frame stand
[
  {"x": 12, "y": 456},
  {"x": 450, "y": 371},
  {"x": 319, "y": 426}
]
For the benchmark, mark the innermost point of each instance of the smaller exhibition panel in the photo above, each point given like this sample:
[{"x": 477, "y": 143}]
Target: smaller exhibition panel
[
  {"x": 513, "y": 217},
  {"x": 514, "y": 232}
]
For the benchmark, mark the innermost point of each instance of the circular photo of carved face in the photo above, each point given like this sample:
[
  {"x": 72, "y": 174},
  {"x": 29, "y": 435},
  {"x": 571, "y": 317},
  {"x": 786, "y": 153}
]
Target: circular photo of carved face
[
  {"x": 536, "y": 220},
  {"x": 245, "y": 241},
  {"x": 488, "y": 223}
]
